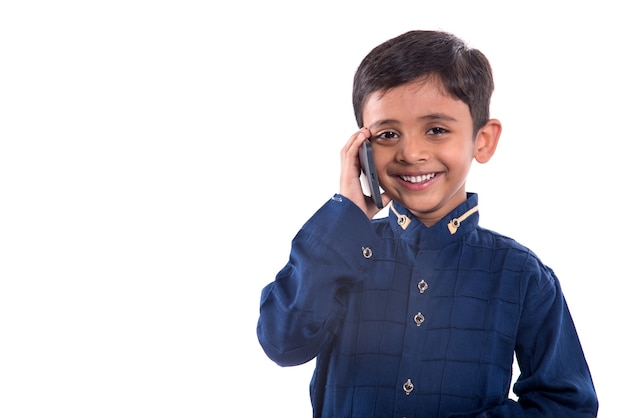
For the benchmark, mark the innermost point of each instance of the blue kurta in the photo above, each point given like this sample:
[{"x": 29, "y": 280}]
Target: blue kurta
[{"x": 413, "y": 321}]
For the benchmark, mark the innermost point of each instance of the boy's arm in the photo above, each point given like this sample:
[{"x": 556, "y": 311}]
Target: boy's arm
[
  {"x": 301, "y": 310},
  {"x": 555, "y": 379},
  {"x": 554, "y": 376}
]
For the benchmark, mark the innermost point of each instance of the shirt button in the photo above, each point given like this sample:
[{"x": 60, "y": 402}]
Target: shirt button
[
  {"x": 367, "y": 252},
  {"x": 418, "y": 319},
  {"x": 422, "y": 286},
  {"x": 407, "y": 386}
]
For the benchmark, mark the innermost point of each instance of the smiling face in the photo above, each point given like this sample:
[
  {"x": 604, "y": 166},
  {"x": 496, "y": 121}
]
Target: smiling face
[{"x": 423, "y": 146}]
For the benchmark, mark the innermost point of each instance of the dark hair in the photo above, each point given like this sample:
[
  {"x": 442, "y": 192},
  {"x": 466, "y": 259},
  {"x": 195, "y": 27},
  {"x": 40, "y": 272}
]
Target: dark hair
[{"x": 464, "y": 72}]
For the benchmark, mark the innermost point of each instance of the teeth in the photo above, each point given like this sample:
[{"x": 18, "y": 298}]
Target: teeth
[{"x": 418, "y": 179}]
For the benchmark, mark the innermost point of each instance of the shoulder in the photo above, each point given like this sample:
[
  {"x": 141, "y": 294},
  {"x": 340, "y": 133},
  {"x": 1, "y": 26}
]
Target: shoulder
[
  {"x": 514, "y": 266},
  {"x": 508, "y": 254}
]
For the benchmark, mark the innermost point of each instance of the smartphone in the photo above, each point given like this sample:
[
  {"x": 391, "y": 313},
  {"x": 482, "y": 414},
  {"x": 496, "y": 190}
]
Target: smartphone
[{"x": 369, "y": 170}]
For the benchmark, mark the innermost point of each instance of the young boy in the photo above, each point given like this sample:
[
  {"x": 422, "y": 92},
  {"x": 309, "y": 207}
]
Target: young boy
[{"x": 420, "y": 314}]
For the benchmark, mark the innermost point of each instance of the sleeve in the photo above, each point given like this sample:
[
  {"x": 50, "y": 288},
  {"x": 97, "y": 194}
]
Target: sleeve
[
  {"x": 554, "y": 376},
  {"x": 555, "y": 380},
  {"x": 301, "y": 310}
]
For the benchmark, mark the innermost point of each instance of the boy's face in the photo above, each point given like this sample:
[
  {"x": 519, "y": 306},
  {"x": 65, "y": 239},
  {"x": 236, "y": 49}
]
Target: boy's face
[{"x": 423, "y": 146}]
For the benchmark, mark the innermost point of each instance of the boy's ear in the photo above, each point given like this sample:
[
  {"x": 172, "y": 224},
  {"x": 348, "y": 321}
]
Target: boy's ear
[{"x": 487, "y": 140}]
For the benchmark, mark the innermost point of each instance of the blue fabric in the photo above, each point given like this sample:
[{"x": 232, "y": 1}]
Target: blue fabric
[{"x": 487, "y": 299}]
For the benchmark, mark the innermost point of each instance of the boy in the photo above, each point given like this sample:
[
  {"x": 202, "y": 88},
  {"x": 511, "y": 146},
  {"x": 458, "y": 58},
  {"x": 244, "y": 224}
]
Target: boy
[{"x": 420, "y": 314}]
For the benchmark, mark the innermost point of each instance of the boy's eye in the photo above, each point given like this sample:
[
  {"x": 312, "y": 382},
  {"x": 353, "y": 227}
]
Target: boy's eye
[
  {"x": 436, "y": 131},
  {"x": 387, "y": 135}
]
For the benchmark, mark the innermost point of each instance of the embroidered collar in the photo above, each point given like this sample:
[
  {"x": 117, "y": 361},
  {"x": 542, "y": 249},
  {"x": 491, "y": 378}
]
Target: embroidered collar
[
  {"x": 453, "y": 220},
  {"x": 402, "y": 219},
  {"x": 454, "y": 224}
]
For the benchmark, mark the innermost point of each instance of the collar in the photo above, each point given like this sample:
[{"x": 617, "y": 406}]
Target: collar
[{"x": 455, "y": 224}]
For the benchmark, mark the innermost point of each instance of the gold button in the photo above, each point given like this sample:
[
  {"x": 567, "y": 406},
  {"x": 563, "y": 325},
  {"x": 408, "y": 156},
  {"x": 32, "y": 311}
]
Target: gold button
[{"x": 419, "y": 319}]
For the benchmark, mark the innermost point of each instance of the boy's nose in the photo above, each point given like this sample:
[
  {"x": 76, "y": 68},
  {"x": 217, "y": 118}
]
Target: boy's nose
[{"x": 412, "y": 151}]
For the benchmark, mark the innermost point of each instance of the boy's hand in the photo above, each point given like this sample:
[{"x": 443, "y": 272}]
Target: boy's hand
[{"x": 350, "y": 182}]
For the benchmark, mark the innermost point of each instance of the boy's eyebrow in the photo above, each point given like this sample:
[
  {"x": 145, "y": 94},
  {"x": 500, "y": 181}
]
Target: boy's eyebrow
[
  {"x": 438, "y": 116},
  {"x": 429, "y": 117},
  {"x": 382, "y": 122}
]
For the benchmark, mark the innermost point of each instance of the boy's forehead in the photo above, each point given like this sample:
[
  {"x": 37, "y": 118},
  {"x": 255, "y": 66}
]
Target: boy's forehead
[
  {"x": 413, "y": 86},
  {"x": 419, "y": 94}
]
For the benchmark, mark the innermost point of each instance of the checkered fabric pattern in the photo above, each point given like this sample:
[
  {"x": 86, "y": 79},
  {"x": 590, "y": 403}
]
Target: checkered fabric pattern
[{"x": 423, "y": 322}]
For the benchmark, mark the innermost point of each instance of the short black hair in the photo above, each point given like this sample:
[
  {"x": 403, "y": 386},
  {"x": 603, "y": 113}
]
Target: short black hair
[{"x": 464, "y": 72}]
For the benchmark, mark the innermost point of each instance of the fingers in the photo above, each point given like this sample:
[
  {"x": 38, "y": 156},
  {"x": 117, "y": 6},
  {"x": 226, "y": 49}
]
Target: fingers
[
  {"x": 350, "y": 165},
  {"x": 351, "y": 149}
]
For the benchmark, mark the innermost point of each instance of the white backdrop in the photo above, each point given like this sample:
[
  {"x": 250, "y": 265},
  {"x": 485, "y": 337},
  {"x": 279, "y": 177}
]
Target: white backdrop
[{"x": 157, "y": 157}]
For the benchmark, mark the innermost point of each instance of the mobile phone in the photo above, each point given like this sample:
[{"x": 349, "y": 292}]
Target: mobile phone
[{"x": 369, "y": 170}]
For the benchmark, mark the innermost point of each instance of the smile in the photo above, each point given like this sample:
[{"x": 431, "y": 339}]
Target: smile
[{"x": 418, "y": 179}]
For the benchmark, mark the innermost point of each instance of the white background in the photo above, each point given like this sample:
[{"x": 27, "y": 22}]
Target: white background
[{"x": 157, "y": 157}]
